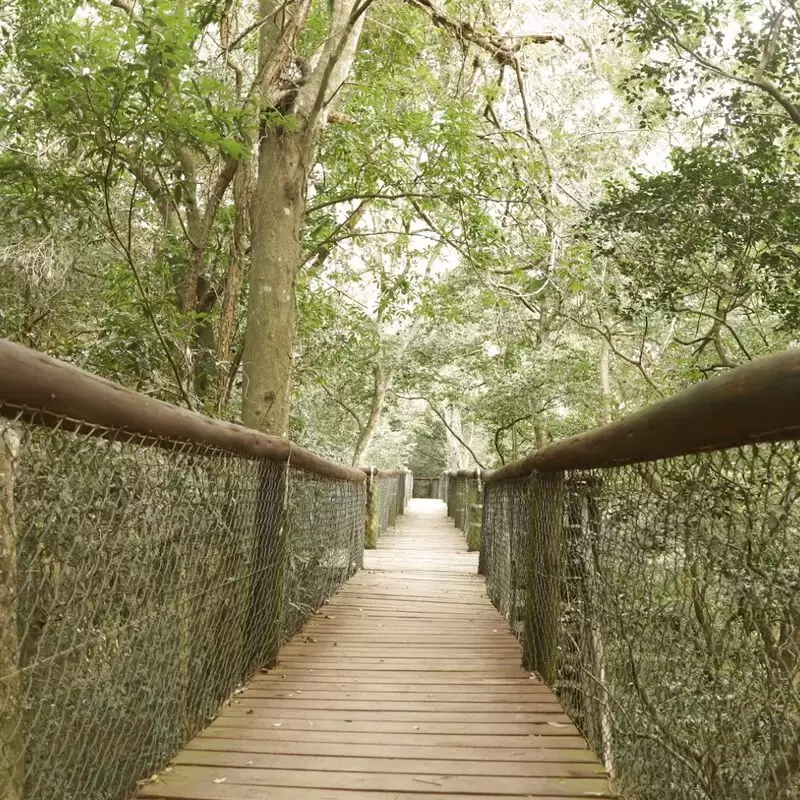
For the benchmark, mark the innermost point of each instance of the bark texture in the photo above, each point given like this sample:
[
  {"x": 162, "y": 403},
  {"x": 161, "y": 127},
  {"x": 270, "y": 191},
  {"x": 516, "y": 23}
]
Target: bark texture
[
  {"x": 381, "y": 382},
  {"x": 285, "y": 154},
  {"x": 12, "y": 754}
]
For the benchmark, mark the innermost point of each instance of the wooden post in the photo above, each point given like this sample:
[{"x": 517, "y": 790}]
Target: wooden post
[
  {"x": 12, "y": 742},
  {"x": 452, "y": 484},
  {"x": 544, "y": 574},
  {"x": 485, "y": 541},
  {"x": 458, "y": 502},
  {"x": 392, "y": 500},
  {"x": 401, "y": 494},
  {"x": 270, "y": 554},
  {"x": 373, "y": 503},
  {"x": 474, "y": 518},
  {"x": 474, "y": 509}
]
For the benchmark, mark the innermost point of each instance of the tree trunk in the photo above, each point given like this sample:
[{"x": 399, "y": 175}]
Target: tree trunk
[
  {"x": 456, "y": 457},
  {"x": 382, "y": 381},
  {"x": 277, "y": 214},
  {"x": 278, "y": 206},
  {"x": 12, "y": 753}
]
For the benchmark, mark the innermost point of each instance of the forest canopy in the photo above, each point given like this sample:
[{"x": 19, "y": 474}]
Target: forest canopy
[{"x": 406, "y": 232}]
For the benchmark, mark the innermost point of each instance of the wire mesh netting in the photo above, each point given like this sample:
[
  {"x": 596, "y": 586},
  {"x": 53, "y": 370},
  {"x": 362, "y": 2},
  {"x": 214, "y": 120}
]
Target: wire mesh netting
[
  {"x": 138, "y": 586},
  {"x": 387, "y": 502},
  {"x": 504, "y": 541},
  {"x": 665, "y": 600},
  {"x": 326, "y": 542}
]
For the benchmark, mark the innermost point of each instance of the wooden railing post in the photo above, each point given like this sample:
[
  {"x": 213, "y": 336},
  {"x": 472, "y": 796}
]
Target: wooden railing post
[
  {"x": 401, "y": 494},
  {"x": 475, "y": 513},
  {"x": 485, "y": 541},
  {"x": 544, "y": 574},
  {"x": 270, "y": 554},
  {"x": 459, "y": 504},
  {"x": 393, "y": 504},
  {"x": 373, "y": 503},
  {"x": 452, "y": 484},
  {"x": 12, "y": 741}
]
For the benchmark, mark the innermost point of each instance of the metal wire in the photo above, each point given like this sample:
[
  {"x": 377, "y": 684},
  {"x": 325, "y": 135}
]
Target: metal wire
[
  {"x": 387, "y": 502},
  {"x": 139, "y": 585},
  {"x": 671, "y": 605}
]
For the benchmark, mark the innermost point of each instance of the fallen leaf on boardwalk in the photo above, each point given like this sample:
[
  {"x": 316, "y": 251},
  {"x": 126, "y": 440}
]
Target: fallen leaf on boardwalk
[
  {"x": 558, "y": 725},
  {"x": 276, "y": 724},
  {"x": 220, "y": 780},
  {"x": 249, "y": 711}
]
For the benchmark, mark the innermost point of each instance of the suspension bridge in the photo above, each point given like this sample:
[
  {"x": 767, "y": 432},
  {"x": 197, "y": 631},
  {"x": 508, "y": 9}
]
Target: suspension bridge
[{"x": 190, "y": 609}]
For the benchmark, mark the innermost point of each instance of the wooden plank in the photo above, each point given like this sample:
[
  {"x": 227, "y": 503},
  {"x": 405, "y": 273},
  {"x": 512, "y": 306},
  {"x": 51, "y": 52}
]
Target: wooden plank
[
  {"x": 519, "y": 768},
  {"x": 225, "y": 791},
  {"x": 385, "y": 693},
  {"x": 401, "y": 703},
  {"x": 407, "y": 684},
  {"x": 461, "y": 739},
  {"x": 254, "y": 722},
  {"x": 398, "y": 752},
  {"x": 389, "y": 766},
  {"x": 499, "y": 717},
  {"x": 311, "y": 778}
]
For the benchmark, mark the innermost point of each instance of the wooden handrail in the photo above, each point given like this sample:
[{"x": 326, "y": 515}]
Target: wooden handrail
[
  {"x": 49, "y": 392},
  {"x": 757, "y": 402}
]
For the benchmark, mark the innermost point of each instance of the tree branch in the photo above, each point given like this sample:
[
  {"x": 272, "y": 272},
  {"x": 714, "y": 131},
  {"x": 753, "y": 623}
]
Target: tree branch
[
  {"x": 126, "y": 247},
  {"x": 502, "y": 49},
  {"x": 124, "y": 5},
  {"x": 444, "y": 422},
  {"x": 341, "y": 404}
]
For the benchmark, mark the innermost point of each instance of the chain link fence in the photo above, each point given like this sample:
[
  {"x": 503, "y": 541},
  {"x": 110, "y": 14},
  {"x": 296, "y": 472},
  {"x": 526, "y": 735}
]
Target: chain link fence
[
  {"x": 141, "y": 581},
  {"x": 387, "y": 488},
  {"x": 661, "y": 601}
]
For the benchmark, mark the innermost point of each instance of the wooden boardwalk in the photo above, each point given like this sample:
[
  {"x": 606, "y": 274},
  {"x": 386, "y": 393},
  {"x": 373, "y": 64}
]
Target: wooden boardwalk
[{"x": 407, "y": 686}]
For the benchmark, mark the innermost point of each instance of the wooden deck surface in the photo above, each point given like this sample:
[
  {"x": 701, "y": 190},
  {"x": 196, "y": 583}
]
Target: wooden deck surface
[{"x": 407, "y": 686}]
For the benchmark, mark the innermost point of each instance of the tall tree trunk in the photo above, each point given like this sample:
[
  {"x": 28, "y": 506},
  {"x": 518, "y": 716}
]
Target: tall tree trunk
[
  {"x": 12, "y": 753},
  {"x": 596, "y": 634},
  {"x": 277, "y": 215},
  {"x": 457, "y": 456},
  {"x": 382, "y": 381},
  {"x": 278, "y": 205}
]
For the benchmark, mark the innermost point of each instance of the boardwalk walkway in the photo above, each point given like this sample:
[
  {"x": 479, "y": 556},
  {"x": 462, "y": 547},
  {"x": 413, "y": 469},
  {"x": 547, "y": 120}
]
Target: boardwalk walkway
[{"x": 406, "y": 687}]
